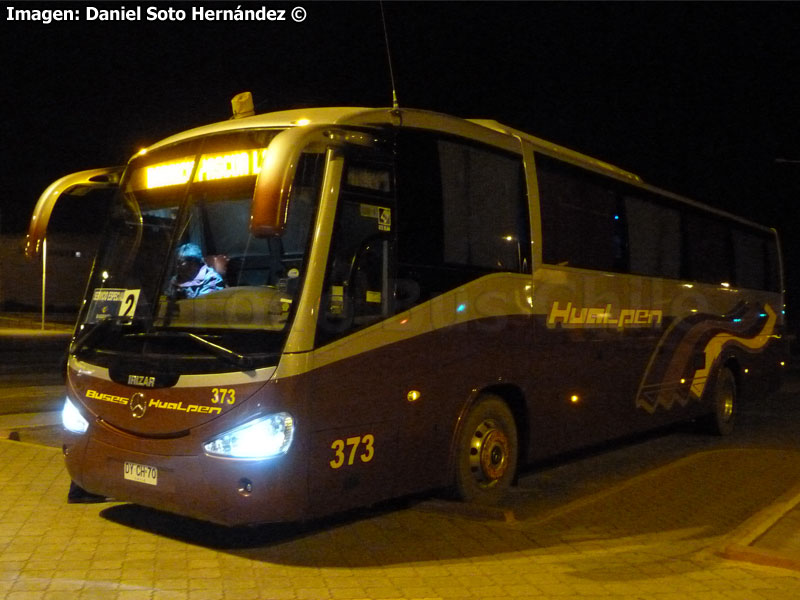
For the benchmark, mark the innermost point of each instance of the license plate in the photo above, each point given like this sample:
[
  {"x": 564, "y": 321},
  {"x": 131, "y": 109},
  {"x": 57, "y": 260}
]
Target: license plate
[{"x": 141, "y": 473}]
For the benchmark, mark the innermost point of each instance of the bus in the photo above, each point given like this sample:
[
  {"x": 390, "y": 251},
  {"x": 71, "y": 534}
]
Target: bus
[{"x": 298, "y": 313}]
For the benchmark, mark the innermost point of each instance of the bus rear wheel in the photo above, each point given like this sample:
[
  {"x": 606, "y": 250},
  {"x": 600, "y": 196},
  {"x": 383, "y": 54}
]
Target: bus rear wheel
[
  {"x": 487, "y": 452},
  {"x": 724, "y": 397}
]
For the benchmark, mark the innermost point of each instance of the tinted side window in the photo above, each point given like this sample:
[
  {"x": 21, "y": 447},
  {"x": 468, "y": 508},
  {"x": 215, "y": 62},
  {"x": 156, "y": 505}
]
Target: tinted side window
[
  {"x": 755, "y": 260},
  {"x": 594, "y": 222},
  {"x": 359, "y": 288},
  {"x": 462, "y": 212},
  {"x": 582, "y": 225},
  {"x": 654, "y": 238},
  {"x": 482, "y": 194},
  {"x": 708, "y": 249}
]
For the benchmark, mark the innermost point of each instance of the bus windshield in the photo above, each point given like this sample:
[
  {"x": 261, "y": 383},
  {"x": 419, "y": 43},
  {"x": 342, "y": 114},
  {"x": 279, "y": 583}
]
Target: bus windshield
[{"x": 180, "y": 277}]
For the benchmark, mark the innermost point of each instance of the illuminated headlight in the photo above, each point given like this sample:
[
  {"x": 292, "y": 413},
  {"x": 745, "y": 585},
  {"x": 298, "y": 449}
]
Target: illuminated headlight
[
  {"x": 72, "y": 420},
  {"x": 260, "y": 438}
]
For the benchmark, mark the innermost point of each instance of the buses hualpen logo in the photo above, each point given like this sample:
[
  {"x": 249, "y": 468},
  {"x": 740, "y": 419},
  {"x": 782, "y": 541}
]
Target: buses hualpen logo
[{"x": 138, "y": 405}]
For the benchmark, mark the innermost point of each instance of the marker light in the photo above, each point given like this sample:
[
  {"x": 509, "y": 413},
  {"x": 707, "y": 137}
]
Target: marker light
[
  {"x": 72, "y": 420},
  {"x": 263, "y": 437}
]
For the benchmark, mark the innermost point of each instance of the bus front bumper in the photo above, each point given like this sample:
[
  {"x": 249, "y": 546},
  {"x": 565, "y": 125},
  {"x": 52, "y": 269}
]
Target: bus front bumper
[{"x": 224, "y": 491}]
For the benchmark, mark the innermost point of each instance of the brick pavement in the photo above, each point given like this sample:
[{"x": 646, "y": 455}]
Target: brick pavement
[{"x": 653, "y": 536}]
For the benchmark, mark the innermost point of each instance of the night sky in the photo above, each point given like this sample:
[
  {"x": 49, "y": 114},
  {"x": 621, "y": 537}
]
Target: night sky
[{"x": 698, "y": 98}]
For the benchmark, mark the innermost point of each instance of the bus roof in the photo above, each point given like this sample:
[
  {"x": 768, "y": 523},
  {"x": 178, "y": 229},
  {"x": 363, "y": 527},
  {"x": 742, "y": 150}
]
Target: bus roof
[
  {"x": 557, "y": 150},
  {"x": 347, "y": 115},
  {"x": 482, "y": 130}
]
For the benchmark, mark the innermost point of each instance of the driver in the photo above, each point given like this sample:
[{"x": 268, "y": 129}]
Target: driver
[{"x": 193, "y": 277}]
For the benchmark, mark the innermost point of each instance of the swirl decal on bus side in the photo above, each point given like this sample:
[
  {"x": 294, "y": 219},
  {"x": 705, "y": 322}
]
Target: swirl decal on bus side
[
  {"x": 681, "y": 363},
  {"x": 714, "y": 348}
]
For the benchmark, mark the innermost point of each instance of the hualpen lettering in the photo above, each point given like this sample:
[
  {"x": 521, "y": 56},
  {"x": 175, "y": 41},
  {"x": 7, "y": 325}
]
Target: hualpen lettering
[
  {"x": 569, "y": 316},
  {"x": 213, "y": 410}
]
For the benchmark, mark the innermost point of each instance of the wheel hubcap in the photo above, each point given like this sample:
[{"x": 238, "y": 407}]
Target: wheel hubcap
[
  {"x": 488, "y": 453},
  {"x": 727, "y": 406}
]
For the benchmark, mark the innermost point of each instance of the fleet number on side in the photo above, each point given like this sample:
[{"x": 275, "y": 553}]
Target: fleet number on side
[
  {"x": 223, "y": 396},
  {"x": 346, "y": 451}
]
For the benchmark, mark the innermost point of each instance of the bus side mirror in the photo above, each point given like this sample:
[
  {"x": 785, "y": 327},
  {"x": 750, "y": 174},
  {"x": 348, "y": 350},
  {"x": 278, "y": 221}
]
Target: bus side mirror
[
  {"x": 76, "y": 183},
  {"x": 274, "y": 182},
  {"x": 279, "y": 166}
]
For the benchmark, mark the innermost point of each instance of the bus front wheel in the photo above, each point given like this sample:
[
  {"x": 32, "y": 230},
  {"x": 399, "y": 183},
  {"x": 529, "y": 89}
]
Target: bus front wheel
[
  {"x": 487, "y": 452},
  {"x": 722, "y": 419}
]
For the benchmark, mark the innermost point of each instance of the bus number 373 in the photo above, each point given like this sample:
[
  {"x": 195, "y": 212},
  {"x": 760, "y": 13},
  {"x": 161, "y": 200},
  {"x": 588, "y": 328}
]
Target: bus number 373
[{"x": 346, "y": 451}]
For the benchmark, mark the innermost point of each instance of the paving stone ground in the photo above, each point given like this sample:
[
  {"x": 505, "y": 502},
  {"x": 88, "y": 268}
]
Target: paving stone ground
[
  {"x": 657, "y": 535},
  {"x": 701, "y": 521}
]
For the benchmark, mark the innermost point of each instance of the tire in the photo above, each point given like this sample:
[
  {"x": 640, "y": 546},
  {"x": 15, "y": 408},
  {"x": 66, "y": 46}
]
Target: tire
[
  {"x": 722, "y": 419},
  {"x": 486, "y": 453}
]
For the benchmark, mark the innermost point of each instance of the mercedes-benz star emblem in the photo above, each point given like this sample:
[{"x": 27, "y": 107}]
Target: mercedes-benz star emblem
[{"x": 138, "y": 405}]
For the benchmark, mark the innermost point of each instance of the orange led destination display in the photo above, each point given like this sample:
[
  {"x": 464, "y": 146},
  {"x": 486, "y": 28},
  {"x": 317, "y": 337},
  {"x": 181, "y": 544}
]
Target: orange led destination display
[{"x": 212, "y": 167}]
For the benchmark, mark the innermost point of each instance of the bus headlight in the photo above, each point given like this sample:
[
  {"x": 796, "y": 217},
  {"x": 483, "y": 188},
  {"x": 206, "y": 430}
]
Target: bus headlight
[
  {"x": 263, "y": 437},
  {"x": 72, "y": 420}
]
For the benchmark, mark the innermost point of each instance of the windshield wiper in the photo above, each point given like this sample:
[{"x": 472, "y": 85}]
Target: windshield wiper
[{"x": 245, "y": 363}]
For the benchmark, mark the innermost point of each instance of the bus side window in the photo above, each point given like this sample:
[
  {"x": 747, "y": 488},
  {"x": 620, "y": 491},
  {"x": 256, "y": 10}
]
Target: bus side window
[
  {"x": 462, "y": 213},
  {"x": 709, "y": 255},
  {"x": 369, "y": 281},
  {"x": 359, "y": 280},
  {"x": 582, "y": 218},
  {"x": 654, "y": 237},
  {"x": 357, "y": 283},
  {"x": 754, "y": 260}
]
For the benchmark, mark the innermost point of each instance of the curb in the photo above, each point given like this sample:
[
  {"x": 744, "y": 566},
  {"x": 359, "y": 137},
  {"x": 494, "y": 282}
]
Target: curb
[
  {"x": 757, "y": 556},
  {"x": 740, "y": 545}
]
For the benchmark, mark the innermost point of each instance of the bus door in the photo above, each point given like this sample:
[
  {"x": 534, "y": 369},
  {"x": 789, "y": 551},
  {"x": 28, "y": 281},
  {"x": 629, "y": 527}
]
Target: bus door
[{"x": 352, "y": 404}]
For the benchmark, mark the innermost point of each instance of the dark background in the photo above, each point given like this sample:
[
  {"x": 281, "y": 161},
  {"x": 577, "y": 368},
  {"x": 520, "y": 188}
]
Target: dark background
[{"x": 698, "y": 98}]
